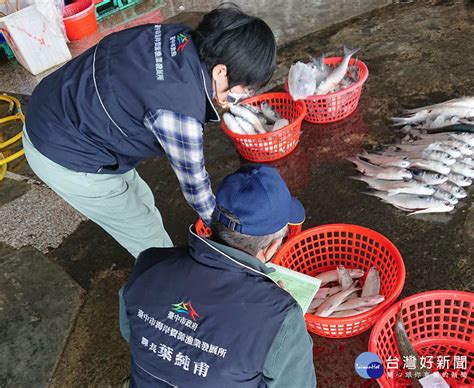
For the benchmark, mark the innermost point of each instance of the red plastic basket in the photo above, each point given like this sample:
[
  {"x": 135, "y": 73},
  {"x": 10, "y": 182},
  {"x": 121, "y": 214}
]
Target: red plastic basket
[
  {"x": 438, "y": 323},
  {"x": 80, "y": 19},
  {"x": 331, "y": 107},
  {"x": 326, "y": 247},
  {"x": 267, "y": 147}
]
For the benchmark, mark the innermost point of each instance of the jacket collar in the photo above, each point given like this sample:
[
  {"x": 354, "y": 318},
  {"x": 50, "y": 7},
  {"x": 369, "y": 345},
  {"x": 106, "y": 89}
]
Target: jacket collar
[
  {"x": 211, "y": 111},
  {"x": 216, "y": 255}
]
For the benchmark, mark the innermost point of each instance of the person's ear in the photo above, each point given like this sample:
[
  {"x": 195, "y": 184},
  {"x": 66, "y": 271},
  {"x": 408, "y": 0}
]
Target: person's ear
[
  {"x": 219, "y": 73},
  {"x": 271, "y": 249}
]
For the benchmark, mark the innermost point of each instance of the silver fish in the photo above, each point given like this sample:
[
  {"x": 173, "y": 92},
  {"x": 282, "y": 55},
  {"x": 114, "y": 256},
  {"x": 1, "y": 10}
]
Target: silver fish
[
  {"x": 315, "y": 303},
  {"x": 463, "y": 169},
  {"x": 248, "y": 128},
  {"x": 437, "y": 146},
  {"x": 320, "y": 70},
  {"x": 336, "y": 75},
  {"x": 332, "y": 303},
  {"x": 406, "y": 350},
  {"x": 467, "y": 102},
  {"x": 366, "y": 301},
  {"x": 455, "y": 190},
  {"x": 232, "y": 124},
  {"x": 465, "y": 148},
  {"x": 331, "y": 276},
  {"x": 430, "y": 178},
  {"x": 246, "y": 114},
  {"x": 431, "y": 165},
  {"x": 385, "y": 160},
  {"x": 467, "y": 160},
  {"x": 419, "y": 204},
  {"x": 270, "y": 114},
  {"x": 445, "y": 196},
  {"x": 344, "y": 278},
  {"x": 280, "y": 124},
  {"x": 324, "y": 292},
  {"x": 459, "y": 180},
  {"x": 397, "y": 187},
  {"x": 372, "y": 283},
  {"x": 416, "y": 118},
  {"x": 350, "y": 313},
  {"x": 389, "y": 173},
  {"x": 465, "y": 137}
]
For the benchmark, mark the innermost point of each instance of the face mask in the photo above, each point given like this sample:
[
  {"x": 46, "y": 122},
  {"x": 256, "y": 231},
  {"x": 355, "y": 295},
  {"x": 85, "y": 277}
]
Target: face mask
[{"x": 235, "y": 98}]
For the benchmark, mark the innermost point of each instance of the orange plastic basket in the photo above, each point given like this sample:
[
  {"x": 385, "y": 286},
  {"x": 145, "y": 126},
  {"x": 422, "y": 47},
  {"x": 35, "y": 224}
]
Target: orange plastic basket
[
  {"x": 326, "y": 247},
  {"x": 267, "y": 147},
  {"x": 204, "y": 231},
  {"x": 439, "y": 324},
  {"x": 79, "y": 19},
  {"x": 331, "y": 107}
]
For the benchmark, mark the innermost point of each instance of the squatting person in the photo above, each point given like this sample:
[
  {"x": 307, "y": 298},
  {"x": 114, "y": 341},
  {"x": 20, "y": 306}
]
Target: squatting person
[{"x": 207, "y": 314}]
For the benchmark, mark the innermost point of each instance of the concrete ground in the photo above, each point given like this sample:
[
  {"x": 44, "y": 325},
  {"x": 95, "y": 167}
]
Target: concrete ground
[{"x": 60, "y": 273}]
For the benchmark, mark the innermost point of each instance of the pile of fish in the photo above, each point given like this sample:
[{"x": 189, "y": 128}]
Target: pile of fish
[
  {"x": 339, "y": 293},
  {"x": 245, "y": 119},
  {"x": 427, "y": 172},
  {"x": 317, "y": 78},
  {"x": 455, "y": 115}
]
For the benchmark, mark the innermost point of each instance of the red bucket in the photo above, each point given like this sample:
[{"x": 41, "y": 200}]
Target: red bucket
[
  {"x": 79, "y": 19},
  {"x": 331, "y": 107},
  {"x": 271, "y": 146},
  {"x": 439, "y": 324}
]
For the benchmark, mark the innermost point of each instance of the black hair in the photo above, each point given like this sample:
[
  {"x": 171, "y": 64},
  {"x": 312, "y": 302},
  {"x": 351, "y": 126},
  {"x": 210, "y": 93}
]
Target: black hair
[{"x": 244, "y": 43}]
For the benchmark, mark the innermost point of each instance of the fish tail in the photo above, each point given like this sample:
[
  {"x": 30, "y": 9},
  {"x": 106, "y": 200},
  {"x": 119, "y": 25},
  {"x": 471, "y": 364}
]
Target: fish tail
[
  {"x": 353, "y": 159},
  {"x": 399, "y": 121},
  {"x": 350, "y": 52}
]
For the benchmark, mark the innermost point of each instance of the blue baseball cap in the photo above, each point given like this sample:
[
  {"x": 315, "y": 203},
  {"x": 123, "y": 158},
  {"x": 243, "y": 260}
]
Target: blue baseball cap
[{"x": 258, "y": 196}]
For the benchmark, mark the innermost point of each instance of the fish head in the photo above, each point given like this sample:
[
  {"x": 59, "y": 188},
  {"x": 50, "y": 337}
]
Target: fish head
[{"x": 405, "y": 163}]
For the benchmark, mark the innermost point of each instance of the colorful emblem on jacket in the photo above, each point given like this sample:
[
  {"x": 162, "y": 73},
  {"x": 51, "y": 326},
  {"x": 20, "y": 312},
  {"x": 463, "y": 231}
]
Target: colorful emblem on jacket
[
  {"x": 186, "y": 308},
  {"x": 182, "y": 41}
]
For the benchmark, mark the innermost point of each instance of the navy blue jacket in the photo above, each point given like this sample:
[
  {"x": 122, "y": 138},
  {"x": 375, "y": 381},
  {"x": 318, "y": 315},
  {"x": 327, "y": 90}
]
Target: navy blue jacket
[
  {"x": 88, "y": 115},
  {"x": 198, "y": 317}
]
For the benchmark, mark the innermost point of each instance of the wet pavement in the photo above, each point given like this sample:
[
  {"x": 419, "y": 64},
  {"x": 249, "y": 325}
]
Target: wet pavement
[{"x": 416, "y": 54}]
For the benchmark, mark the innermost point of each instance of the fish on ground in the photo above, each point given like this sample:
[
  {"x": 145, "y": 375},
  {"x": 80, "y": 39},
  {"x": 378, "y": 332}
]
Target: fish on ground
[
  {"x": 389, "y": 173},
  {"x": 459, "y": 179},
  {"x": 428, "y": 177},
  {"x": 414, "y": 203},
  {"x": 397, "y": 187},
  {"x": 455, "y": 190},
  {"x": 386, "y": 160}
]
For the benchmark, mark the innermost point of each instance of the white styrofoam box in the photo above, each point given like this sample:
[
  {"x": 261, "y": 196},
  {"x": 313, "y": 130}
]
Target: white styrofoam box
[{"x": 37, "y": 43}]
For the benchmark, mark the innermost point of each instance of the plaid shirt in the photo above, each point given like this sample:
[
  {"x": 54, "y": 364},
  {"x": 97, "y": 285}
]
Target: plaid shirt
[{"x": 181, "y": 138}]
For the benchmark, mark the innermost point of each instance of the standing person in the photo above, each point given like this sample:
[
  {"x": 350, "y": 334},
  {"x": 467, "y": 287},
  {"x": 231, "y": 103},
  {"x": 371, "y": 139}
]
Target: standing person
[
  {"x": 142, "y": 92},
  {"x": 207, "y": 314}
]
